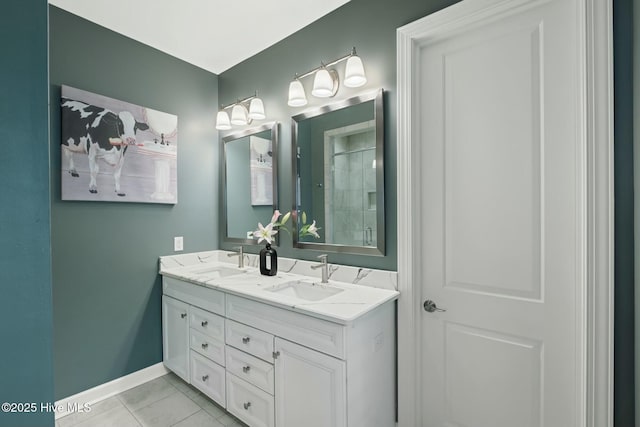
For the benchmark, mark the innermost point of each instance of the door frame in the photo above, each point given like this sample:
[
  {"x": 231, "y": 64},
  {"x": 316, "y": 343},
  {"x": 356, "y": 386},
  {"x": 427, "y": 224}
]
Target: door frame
[{"x": 594, "y": 306}]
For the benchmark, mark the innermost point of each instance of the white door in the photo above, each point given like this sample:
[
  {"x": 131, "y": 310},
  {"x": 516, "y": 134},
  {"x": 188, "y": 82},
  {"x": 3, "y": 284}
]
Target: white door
[
  {"x": 502, "y": 231},
  {"x": 310, "y": 387},
  {"x": 175, "y": 336}
]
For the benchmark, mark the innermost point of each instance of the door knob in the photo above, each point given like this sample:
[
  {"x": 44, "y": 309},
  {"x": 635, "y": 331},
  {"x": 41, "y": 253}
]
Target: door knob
[{"x": 430, "y": 306}]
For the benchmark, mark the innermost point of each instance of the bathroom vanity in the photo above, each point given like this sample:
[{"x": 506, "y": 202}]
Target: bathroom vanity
[{"x": 282, "y": 350}]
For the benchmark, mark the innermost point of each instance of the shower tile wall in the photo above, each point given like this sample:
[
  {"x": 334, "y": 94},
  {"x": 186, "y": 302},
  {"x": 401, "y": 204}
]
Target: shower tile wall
[{"x": 354, "y": 185}]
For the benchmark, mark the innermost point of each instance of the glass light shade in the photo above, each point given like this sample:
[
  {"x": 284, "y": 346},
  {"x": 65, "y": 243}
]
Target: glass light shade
[
  {"x": 354, "y": 72},
  {"x": 297, "y": 97},
  {"x": 239, "y": 115},
  {"x": 256, "y": 109},
  {"x": 324, "y": 84},
  {"x": 222, "y": 121}
]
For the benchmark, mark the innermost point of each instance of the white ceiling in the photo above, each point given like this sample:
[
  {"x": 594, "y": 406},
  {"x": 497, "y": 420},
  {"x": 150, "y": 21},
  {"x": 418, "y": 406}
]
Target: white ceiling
[{"x": 212, "y": 34}]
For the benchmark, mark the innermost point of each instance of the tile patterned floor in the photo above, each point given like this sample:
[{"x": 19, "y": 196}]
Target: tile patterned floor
[{"x": 164, "y": 402}]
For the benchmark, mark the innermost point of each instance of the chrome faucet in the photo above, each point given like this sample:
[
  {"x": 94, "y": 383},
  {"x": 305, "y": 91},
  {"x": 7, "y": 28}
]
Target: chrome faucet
[
  {"x": 240, "y": 254},
  {"x": 324, "y": 265}
]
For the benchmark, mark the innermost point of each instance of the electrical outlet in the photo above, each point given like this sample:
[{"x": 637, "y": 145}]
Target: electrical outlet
[{"x": 178, "y": 243}]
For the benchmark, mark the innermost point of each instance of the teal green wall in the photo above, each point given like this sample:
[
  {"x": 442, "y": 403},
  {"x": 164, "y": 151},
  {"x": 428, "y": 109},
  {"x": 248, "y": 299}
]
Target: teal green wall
[
  {"x": 624, "y": 387},
  {"x": 370, "y": 25},
  {"x": 26, "y": 360},
  {"x": 106, "y": 290}
]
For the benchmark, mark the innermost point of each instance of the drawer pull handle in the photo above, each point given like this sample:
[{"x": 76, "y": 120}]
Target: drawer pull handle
[
  {"x": 183, "y": 315},
  {"x": 247, "y": 405},
  {"x": 205, "y": 345},
  {"x": 205, "y": 377},
  {"x": 246, "y": 369},
  {"x": 245, "y": 340},
  {"x": 204, "y": 323},
  {"x": 275, "y": 354}
]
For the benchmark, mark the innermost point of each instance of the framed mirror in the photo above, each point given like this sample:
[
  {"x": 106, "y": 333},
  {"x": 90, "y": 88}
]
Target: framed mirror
[
  {"x": 338, "y": 175},
  {"x": 249, "y": 183}
]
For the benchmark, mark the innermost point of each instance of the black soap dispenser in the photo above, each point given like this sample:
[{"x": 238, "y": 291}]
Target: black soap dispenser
[{"x": 272, "y": 255}]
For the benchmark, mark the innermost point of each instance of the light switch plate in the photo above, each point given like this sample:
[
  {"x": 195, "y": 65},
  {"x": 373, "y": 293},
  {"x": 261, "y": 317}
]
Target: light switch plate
[{"x": 178, "y": 243}]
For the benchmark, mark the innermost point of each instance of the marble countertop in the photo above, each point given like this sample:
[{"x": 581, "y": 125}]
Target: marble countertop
[{"x": 348, "y": 302}]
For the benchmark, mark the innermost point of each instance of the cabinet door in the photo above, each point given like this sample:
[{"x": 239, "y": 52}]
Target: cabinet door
[
  {"x": 175, "y": 336},
  {"x": 310, "y": 387}
]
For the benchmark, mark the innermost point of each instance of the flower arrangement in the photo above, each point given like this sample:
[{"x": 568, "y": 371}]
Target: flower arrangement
[{"x": 268, "y": 232}]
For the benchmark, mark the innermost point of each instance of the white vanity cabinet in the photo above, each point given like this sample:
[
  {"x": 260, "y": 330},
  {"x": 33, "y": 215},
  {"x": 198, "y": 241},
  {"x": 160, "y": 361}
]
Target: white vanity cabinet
[
  {"x": 310, "y": 387},
  {"x": 250, "y": 374},
  {"x": 206, "y": 359},
  {"x": 274, "y": 366},
  {"x": 175, "y": 336},
  {"x": 193, "y": 336},
  {"x": 322, "y": 367}
]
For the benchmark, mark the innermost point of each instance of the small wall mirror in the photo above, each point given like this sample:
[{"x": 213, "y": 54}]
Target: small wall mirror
[
  {"x": 250, "y": 181},
  {"x": 338, "y": 175}
]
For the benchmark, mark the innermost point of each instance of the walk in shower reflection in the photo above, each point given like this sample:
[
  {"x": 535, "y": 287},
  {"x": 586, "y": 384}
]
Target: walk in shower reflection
[
  {"x": 338, "y": 175},
  {"x": 350, "y": 185}
]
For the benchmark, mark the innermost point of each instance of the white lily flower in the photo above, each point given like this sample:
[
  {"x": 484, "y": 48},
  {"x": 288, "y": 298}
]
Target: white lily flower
[
  {"x": 276, "y": 215},
  {"x": 313, "y": 230},
  {"x": 265, "y": 233}
]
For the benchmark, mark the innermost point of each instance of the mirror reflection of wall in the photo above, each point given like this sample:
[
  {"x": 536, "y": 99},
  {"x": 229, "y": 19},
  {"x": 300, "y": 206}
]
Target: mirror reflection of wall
[
  {"x": 250, "y": 195},
  {"x": 338, "y": 182}
]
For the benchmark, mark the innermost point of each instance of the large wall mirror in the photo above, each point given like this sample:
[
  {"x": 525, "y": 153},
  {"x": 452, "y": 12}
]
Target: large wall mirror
[
  {"x": 250, "y": 190},
  {"x": 338, "y": 175}
]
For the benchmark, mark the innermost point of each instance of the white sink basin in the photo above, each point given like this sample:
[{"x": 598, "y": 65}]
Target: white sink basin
[
  {"x": 305, "y": 290},
  {"x": 216, "y": 271}
]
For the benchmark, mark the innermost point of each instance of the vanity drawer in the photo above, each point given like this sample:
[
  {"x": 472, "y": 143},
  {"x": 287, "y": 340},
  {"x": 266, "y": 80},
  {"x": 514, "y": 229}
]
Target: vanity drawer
[
  {"x": 249, "y": 368},
  {"x": 318, "y": 334},
  {"x": 249, "y": 339},
  {"x": 211, "y": 348},
  {"x": 250, "y": 404},
  {"x": 209, "y": 299},
  {"x": 207, "y": 323},
  {"x": 208, "y": 377}
]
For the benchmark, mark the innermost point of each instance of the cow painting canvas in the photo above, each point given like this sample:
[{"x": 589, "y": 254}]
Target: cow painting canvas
[{"x": 116, "y": 151}]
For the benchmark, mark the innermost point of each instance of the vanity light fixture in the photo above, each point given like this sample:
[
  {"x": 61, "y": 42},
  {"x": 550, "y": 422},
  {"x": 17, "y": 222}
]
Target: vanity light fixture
[
  {"x": 256, "y": 109},
  {"x": 326, "y": 80},
  {"x": 243, "y": 112},
  {"x": 222, "y": 121},
  {"x": 297, "y": 97},
  {"x": 239, "y": 115},
  {"x": 354, "y": 71},
  {"x": 325, "y": 84}
]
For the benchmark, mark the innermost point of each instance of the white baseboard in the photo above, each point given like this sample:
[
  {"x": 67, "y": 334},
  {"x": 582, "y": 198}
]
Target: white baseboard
[{"x": 109, "y": 389}]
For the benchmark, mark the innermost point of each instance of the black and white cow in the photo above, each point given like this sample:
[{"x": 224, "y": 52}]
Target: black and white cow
[{"x": 100, "y": 133}]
